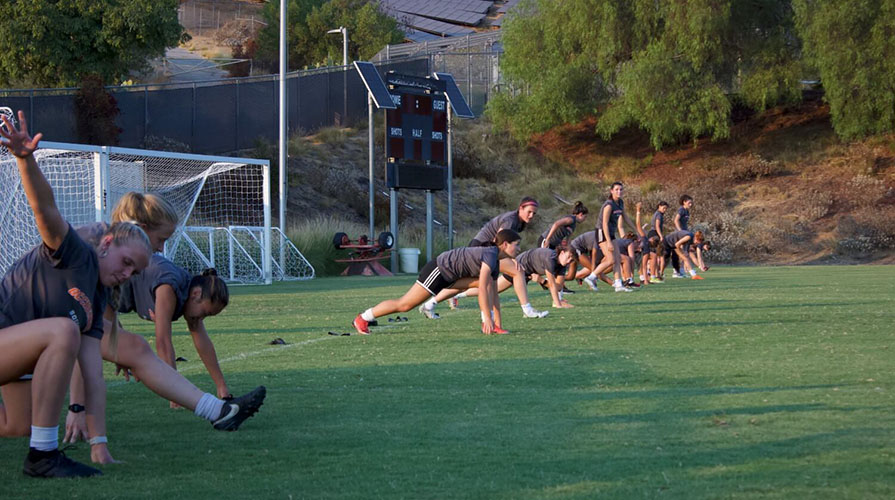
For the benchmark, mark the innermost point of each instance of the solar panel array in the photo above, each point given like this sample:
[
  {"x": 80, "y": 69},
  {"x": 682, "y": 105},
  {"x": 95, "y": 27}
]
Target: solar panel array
[
  {"x": 454, "y": 12},
  {"x": 425, "y": 20},
  {"x": 506, "y": 7}
]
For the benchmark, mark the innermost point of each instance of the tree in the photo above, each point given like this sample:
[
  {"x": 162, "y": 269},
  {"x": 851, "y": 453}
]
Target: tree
[
  {"x": 56, "y": 43},
  {"x": 671, "y": 68},
  {"x": 369, "y": 30},
  {"x": 852, "y": 45}
]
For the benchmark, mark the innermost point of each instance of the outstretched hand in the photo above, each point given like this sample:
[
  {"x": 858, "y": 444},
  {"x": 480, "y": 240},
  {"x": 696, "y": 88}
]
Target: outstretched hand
[{"x": 18, "y": 141}]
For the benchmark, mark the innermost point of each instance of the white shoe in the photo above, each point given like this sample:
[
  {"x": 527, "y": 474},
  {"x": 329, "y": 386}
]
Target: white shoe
[
  {"x": 453, "y": 303},
  {"x": 676, "y": 275},
  {"x": 591, "y": 282},
  {"x": 623, "y": 289},
  {"x": 534, "y": 313},
  {"x": 429, "y": 313}
]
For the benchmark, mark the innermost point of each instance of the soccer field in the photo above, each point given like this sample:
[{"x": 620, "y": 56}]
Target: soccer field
[{"x": 757, "y": 382}]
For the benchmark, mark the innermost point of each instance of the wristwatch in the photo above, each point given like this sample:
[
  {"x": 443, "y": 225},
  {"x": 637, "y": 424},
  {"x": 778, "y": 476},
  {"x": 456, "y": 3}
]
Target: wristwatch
[{"x": 76, "y": 408}]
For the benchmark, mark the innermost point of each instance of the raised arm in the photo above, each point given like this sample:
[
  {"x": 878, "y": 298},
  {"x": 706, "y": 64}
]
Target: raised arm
[
  {"x": 50, "y": 224},
  {"x": 637, "y": 226}
]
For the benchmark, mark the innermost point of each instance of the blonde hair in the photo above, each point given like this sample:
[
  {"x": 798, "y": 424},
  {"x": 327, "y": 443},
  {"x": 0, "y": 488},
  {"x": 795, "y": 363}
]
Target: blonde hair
[
  {"x": 145, "y": 209},
  {"x": 122, "y": 233}
]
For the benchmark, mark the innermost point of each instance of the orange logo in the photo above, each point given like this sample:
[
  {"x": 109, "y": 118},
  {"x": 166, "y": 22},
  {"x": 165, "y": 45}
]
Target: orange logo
[{"x": 82, "y": 299}]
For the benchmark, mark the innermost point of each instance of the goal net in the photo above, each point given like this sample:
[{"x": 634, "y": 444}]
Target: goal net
[{"x": 223, "y": 203}]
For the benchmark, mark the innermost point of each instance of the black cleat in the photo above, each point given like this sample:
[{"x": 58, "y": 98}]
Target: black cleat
[
  {"x": 55, "y": 464},
  {"x": 238, "y": 409}
]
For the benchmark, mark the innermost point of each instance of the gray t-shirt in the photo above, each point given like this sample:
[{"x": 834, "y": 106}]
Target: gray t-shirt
[
  {"x": 466, "y": 262},
  {"x": 671, "y": 239},
  {"x": 660, "y": 218},
  {"x": 562, "y": 233},
  {"x": 684, "y": 218},
  {"x": 538, "y": 260},
  {"x": 585, "y": 242},
  {"x": 508, "y": 220},
  {"x": 55, "y": 284},
  {"x": 622, "y": 245},
  {"x": 618, "y": 208},
  {"x": 138, "y": 294}
]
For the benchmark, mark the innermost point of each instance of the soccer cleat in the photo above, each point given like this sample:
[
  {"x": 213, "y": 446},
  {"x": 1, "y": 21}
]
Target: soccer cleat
[
  {"x": 429, "y": 313},
  {"x": 454, "y": 303},
  {"x": 656, "y": 280},
  {"x": 496, "y": 331},
  {"x": 697, "y": 277},
  {"x": 623, "y": 289},
  {"x": 361, "y": 325},
  {"x": 534, "y": 313},
  {"x": 676, "y": 275},
  {"x": 591, "y": 282},
  {"x": 566, "y": 290},
  {"x": 238, "y": 409},
  {"x": 54, "y": 464}
]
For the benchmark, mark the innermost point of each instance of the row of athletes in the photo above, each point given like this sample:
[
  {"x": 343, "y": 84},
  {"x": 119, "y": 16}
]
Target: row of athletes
[
  {"x": 491, "y": 263},
  {"x": 59, "y": 306}
]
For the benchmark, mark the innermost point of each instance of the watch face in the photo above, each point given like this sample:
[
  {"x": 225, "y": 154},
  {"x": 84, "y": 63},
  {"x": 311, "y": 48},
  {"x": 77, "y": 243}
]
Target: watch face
[{"x": 76, "y": 408}]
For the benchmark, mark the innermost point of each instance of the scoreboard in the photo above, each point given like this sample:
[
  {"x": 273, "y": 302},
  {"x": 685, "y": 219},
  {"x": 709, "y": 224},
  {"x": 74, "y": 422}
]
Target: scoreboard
[{"x": 416, "y": 133}]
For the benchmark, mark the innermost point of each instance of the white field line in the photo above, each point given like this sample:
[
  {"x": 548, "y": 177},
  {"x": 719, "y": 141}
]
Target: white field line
[{"x": 245, "y": 355}]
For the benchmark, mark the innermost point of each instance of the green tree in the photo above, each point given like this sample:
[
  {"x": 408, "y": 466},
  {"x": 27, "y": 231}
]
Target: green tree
[
  {"x": 56, "y": 43},
  {"x": 369, "y": 30},
  {"x": 671, "y": 68},
  {"x": 852, "y": 45}
]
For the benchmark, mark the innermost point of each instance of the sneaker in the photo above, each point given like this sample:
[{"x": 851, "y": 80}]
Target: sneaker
[
  {"x": 454, "y": 303},
  {"x": 55, "y": 464},
  {"x": 361, "y": 325},
  {"x": 534, "y": 313},
  {"x": 631, "y": 284},
  {"x": 429, "y": 313},
  {"x": 591, "y": 282},
  {"x": 676, "y": 275},
  {"x": 623, "y": 289},
  {"x": 580, "y": 281},
  {"x": 656, "y": 281},
  {"x": 238, "y": 409},
  {"x": 696, "y": 277}
]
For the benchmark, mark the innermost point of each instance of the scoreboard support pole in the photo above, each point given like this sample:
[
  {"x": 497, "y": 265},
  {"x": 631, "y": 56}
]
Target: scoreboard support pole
[
  {"x": 429, "y": 212},
  {"x": 370, "y": 148},
  {"x": 393, "y": 224},
  {"x": 450, "y": 181}
]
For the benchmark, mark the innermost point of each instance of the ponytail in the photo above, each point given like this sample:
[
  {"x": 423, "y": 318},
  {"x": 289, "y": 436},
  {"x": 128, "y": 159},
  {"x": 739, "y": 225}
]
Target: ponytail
[{"x": 579, "y": 208}]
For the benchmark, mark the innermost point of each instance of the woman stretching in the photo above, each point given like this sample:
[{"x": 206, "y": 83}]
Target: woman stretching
[
  {"x": 51, "y": 307},
  {"x": 460, "y": 268}
]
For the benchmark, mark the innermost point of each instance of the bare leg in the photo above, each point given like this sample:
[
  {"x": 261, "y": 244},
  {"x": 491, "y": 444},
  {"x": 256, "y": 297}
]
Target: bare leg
[
  {"x": 508, "y": 267},
  {"x": 136, "y": 354},
  {"x": 502, "y": 284},
  {"x": 414, "y": 297},
  {"x": 611, "y": 258},
  {"x": 15, "y": 412},
  {"x": 48, "y": 348}
]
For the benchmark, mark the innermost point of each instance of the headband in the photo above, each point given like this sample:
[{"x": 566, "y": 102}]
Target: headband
[{"x": 530, "y": 202}]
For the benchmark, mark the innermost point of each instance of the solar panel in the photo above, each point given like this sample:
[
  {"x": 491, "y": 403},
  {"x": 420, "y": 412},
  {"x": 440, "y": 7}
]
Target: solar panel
[
  {"x": 375, "y": 86},
  {"x": 458, "y": 103}
]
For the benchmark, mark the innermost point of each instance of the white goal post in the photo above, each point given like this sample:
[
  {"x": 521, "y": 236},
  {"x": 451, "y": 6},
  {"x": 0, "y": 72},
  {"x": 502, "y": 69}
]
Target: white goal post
[{"x": 223, "y": 203}]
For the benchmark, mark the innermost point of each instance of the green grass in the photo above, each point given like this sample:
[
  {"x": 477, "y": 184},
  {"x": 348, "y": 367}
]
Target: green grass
[{"x": 755, "y": 383}]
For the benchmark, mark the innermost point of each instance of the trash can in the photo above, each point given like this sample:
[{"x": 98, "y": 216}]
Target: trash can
[{"x": 410, "y": 260}]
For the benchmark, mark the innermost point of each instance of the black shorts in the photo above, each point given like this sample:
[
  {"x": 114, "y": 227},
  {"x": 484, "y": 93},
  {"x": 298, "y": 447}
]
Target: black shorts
[
  {"x": 430, "y": 278},
  {"x": 601, "y": 237},
  {"x": 477, "y": 243}
]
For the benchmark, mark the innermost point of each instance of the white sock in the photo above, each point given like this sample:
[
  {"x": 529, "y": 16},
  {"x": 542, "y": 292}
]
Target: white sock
[
  {"x": 368, "y": 315},
  {"x": 209, "y": 407},
  {"x": 692, "y": 272},
  {"x": 44, "y": 438},
  {"x": 617, "y": 283},
  {"x": 642, "y": 278},
  {"x": 593, "y": 275},
  {"x": 431, "y": 303},
  {"x": 526, "y": 307},
  {"x": 460, "y": 295},
  {"x": 486, "y": 317},
  {"x": 559, "y": 294}
]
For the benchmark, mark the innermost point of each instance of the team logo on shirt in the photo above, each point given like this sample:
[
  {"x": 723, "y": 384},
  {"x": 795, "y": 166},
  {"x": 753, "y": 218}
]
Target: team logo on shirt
[{"x": 85, "y": 303}]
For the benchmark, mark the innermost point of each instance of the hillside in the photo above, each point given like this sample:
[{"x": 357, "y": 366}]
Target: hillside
[{"x": 783, "y": 189}]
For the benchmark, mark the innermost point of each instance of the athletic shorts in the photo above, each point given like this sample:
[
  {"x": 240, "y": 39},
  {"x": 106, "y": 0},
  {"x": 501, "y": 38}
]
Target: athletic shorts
[
  {"x": 601, "y": 237},
  {"x": 430, "y": 278}
]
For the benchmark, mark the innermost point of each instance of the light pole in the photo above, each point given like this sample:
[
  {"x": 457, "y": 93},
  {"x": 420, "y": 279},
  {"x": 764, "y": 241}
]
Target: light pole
[{"x": 344, "y": 31}]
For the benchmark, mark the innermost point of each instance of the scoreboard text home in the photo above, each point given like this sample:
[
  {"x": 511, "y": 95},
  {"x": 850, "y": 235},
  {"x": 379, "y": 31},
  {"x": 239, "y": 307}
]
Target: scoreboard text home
[{"x": 416, "y": 133}]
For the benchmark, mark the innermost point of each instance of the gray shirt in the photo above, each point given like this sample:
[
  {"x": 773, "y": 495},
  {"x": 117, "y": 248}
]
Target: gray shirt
[
  {"x": 660, "y": 218},
  {"x": 684, "y": 217},
  {"x": 55, "y": 284},
  {"x": 508, "y": 220},
  {"x": 618, "y": 208},
  {"x": 671, "y": 239},
  {"x": 561, "y": 233},
  {"x": 138, "y": 294},
  {"x": 466, "y": 262},
  {"x": 585, "y": 242},
  {"x": 538, "y": 260},
  {"x": 622, "y": 245}
]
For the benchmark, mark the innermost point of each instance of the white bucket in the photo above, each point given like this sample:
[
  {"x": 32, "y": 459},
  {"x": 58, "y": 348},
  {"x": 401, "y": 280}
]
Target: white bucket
[{"x": 410, "y": 260}]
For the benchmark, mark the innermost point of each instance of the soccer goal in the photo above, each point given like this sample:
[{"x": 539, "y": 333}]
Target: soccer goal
[{"x": 224, "y": 206}]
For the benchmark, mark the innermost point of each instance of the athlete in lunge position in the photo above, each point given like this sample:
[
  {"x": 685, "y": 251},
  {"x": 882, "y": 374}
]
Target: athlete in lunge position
[
  {"x": 51, "y": 308},
  {"x": 460, "y": 268}
]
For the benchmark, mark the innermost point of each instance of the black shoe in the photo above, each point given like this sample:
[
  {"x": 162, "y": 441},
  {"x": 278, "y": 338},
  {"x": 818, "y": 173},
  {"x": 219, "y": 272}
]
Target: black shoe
[
  {"x": 238, "y": 409},
  {"x": 55, "y": 464},
  {"x": 566, "y": 290}
]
